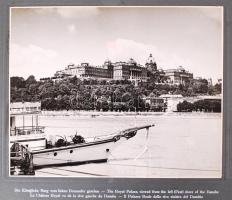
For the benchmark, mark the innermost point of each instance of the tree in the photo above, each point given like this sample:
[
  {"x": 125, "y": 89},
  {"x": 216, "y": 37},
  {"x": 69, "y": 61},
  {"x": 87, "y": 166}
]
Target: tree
[
  {"x": 75, "y": 80},
  {"x": 48, "y": 104},
  {"x": 64, "y": 89},
  {"x": 126, "y": 97},
  {"x": 17, "y": 82},
  {"x": 208, "y": 105},
  {"x": 30, "y": 80},
  {"x": 185, "y": 106},
  {"x": 218, "y": 88}
]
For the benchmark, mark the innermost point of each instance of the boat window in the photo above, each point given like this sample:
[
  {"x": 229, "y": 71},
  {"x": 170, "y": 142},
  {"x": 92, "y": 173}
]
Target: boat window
[{"x": 55, "y": 154}]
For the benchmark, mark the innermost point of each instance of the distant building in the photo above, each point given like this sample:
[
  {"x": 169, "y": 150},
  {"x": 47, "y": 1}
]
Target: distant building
[
  {"x": 156, "y": 103},
  {"x": 178, "y": 76},
  {"x": 151, "y": 64},
  {"x": 153, "y": 73},
  {"x": 118, "y": 71},
  {"x": 86, "y": 71},
  {"x": 201, "y": 81},
  {"x": 130, "y": 70},
  {"x": 25, "y": 107}
]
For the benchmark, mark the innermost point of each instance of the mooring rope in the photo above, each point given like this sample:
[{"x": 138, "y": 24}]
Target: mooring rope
[
  {"x": 52, "y": 173},
  {"x": 160, "y": 167},
  {"x": 81, "y": 172}
]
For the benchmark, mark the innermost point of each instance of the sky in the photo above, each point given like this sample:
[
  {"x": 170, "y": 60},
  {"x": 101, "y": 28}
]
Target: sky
[{"x": 46, "y": 39}]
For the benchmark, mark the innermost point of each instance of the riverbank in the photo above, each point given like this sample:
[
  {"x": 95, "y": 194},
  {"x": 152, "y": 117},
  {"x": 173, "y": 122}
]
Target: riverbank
[
  {"x": 111, "y": 113},
  {"x": 96, "y": 113}
]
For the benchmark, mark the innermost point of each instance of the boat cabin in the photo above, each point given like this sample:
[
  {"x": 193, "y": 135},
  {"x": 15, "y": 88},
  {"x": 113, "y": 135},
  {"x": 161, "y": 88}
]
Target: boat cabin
[
  {"x": 29, "y": 112},
  {"x": 24, "y": 127}
]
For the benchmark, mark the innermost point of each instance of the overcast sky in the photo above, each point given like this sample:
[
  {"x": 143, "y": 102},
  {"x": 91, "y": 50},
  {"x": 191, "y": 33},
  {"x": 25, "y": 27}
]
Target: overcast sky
[{"x": 44, "y": 40}]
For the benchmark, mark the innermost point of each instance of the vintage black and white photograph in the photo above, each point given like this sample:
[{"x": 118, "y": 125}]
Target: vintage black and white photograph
[{"x": 118, "y": 92}]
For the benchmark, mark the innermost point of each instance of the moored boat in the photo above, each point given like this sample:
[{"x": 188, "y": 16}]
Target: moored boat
[
  {"x": 30, "y": 149},
  {"x": 79, "y": 151}
]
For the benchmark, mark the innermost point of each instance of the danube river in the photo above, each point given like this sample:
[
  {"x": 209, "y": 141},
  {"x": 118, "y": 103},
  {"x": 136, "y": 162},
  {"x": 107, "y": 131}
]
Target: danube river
[{"x": 181, "y": 145}]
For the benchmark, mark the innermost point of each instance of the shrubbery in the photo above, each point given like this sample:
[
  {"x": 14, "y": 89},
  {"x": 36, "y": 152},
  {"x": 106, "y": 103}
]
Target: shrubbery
[{"x": 206, "y": 105}]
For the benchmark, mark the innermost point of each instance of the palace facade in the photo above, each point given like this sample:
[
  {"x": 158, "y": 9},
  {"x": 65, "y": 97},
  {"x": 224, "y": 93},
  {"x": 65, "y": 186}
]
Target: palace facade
[
  {"x": 178, "y": 76},
  {"x": 130, "y": 70},
  {"x": 84, "y": 70}
]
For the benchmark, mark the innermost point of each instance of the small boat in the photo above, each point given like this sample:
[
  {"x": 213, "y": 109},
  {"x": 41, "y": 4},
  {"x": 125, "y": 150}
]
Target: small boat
[{"x": 25, "y": 156}]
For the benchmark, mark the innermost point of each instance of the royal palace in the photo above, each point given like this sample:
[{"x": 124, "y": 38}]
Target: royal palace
[{"x": 130, "y": 70}]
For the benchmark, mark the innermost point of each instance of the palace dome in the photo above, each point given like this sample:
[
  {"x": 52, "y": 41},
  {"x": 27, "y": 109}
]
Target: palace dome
[{"x": 131, "y": 61}]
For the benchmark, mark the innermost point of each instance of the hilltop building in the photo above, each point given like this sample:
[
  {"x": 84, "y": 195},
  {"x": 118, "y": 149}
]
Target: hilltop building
[
  {"x": 151, "y": 64},
  {"x": 130, "y": 70},
  {"x": 153, "y": 73},
  {"x": 118, "y": 71},
  {"x": 86, "y": 71},
  {"x": 178, "y": 76}
]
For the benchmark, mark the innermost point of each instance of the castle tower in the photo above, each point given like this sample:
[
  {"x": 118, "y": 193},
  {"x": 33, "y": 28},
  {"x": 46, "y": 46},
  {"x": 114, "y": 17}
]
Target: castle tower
[{"x": 151, "y": 64}]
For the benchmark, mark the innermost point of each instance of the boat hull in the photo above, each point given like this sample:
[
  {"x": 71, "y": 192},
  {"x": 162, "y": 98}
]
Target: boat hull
[{"x": 98, "y": 151}]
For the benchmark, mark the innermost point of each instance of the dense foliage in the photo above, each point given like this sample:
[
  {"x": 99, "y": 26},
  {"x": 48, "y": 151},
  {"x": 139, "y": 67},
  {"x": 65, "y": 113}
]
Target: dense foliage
[
  {"x": 206, "y": 105},
  {"x": 76, "y": 94}
]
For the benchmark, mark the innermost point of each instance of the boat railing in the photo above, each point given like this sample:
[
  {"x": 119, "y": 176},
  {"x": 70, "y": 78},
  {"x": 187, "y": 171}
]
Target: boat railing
[{"x": 27, "y": 130}]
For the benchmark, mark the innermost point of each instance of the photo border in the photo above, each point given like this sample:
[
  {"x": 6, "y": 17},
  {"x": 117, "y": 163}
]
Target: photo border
[{"x": 224, "y": 184}]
